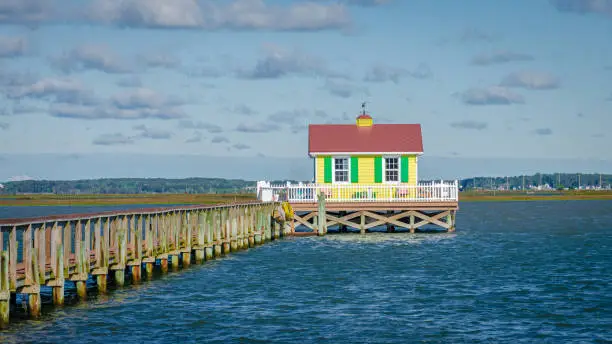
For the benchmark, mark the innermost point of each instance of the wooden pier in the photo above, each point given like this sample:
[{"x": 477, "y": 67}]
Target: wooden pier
[
  {"x": 55, "y": 250},
  {"x": 363, "y": 207}
]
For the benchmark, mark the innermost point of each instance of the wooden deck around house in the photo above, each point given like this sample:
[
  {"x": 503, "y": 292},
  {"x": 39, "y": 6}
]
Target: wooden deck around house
[{"x": 378, "y": 206}]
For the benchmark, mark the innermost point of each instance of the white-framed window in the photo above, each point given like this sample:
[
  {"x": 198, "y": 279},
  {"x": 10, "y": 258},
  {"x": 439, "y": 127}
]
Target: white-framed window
[
  {"x": 342, "y": 169},
  {"x": 391, "y": 169}
]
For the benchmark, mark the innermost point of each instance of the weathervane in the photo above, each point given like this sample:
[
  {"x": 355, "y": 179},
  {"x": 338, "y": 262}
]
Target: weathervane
[{"x": 363, "y": 110}]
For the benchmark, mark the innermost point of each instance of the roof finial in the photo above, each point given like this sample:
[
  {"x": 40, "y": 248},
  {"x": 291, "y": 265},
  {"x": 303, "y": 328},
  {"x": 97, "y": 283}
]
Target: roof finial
[{"x": 364, "y": 120}]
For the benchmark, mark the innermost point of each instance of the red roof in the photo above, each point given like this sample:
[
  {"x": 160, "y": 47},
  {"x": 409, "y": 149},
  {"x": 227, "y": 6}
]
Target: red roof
[
  {"x": 349, "y": 138},
  {"x": 364, "y": 116}
]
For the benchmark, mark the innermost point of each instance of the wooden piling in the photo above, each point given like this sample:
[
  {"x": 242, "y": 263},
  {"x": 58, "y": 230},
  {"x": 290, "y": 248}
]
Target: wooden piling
[
  {"x": 322, "y": 221},
  {"x": 57, "y": 265},
  {"x": 5, "y": 291},
  {"x": 233, "y": 232}
]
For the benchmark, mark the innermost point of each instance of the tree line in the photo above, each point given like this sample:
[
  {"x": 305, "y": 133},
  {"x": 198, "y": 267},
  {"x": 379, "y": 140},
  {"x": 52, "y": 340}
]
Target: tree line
[
  {"x": 221, "y": 185},
  {"x": 553, "y": 180}
]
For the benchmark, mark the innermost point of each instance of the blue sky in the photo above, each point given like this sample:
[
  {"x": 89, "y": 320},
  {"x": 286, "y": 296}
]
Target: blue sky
[{"x": 242, "y": 79}]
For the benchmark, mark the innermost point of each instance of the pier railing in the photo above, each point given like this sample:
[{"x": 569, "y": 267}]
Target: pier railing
[
  {"x": 435, "y": 191},
  {"x": 49, "y": 251}
]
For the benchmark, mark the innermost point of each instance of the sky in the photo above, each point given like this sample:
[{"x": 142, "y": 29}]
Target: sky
[{"x": 202, "y": 88}]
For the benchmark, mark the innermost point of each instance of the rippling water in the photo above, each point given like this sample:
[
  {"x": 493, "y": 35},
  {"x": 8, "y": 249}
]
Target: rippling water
[{"x": 513, "y": 272}]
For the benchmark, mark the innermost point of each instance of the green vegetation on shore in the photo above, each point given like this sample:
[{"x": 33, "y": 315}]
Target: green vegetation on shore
[
  {"x": 174, "y": 199},
  {"x": 506, "y": 196}
]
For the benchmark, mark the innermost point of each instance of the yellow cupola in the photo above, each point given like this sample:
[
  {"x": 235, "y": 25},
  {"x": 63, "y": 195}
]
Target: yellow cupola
[{"x": 364, "y": 120}]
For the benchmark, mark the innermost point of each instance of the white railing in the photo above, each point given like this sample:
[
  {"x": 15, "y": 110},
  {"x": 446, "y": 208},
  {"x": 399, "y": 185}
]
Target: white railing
[{"x": 436, "y": 191}]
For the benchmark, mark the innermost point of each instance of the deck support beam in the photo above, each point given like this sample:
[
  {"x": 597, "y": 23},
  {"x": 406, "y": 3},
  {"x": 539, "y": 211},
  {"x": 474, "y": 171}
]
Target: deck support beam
[{"x": 364, "y": 219}]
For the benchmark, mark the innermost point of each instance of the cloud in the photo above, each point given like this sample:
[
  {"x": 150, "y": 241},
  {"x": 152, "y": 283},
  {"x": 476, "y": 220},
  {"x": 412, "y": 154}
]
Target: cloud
[
  {"x": 211, "y": 15},
  {"x": 477, "y": 35},
  {"x": 345, "y": 90},
  {"x": 196, "y": 137},
  {"x": 242, "y": 109},
  {"x": 531, "y": 80},
  {"x": 367, "y": 3},
  {"x": 493, "y": 95},
  {"x": 241, "y": 146},
  {"x": 543, "y": 131},
  {"x": 106, "y": 111},
  {"x": 159, "y": 61},
  {"x": 62, "y": 88},
  {"x": 131, "y": 81},
  {"x": 12, "y": 46},
  {"x": 24, "y": 109},
  {"x": 91, "y": 57},
  {"x": 209, "y": 127},
  {"x": 499, "y": 57},
  {"x": 112, "y": 140},
  {"x": 472, "y": 35},
  {"x": 382, "y": 73},
  {"x": 467, "y": 124},
  {"x": 279, "y": 62},
  {"x": 72, "y": 101},
  {"x": 143, "y": 98},
  {"x": 25, "y": 11},
  {"x": 257, "y": 127},
  {"x": 4, "y": 126},
  {"x": 220, "y": 139},
  {"x": 155, "y": 134},
  {"x": 583, "y": 6}
]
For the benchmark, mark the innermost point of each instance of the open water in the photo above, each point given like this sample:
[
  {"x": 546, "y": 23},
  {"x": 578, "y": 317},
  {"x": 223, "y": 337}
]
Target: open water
[{"x": 533, "y": 272}]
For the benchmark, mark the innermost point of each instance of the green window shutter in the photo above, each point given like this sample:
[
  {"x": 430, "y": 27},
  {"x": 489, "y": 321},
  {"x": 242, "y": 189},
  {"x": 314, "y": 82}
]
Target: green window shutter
[
  {"x": 327, "y": 167},
  {"x": 354, "y": 169},
  {"x": 378, "y": 169},
  {"x": 404, "y": 169}
]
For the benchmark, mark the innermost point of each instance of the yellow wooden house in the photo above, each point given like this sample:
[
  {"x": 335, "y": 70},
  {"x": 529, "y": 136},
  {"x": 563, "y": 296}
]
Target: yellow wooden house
[{"x": 366, "y": 160}]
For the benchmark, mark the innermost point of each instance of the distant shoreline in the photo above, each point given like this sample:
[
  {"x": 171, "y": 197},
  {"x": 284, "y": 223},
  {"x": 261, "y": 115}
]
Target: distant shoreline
[
  {"x": 509, "y": 196},
  {"x": 173, "y": 199}
]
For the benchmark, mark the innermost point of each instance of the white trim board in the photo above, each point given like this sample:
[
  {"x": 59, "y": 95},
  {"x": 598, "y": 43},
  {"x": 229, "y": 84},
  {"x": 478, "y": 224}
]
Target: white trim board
[{"x": 362, "y": 153}]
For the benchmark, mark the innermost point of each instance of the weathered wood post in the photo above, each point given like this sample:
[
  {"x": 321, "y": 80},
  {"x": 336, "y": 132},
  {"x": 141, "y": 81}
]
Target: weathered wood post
[
  {"x": 186, "y": 249},
  {"x": 176, "y": 240},
  {"x": 412, "y": 229},
  {"x": 234, "y": 236},
  {"x": 322, "y": 220},
  {"x": 81, "y": 273},
  {"x": 218, "y": 233},
  {"x": 451, "y": 221},
  {"x": 149, "y": 255},
  {"x": 5, "y": 291},
  {"x": 135, "y": 243},
  {"x": 257, "y": 233},
  {"x": 57, "y": 265},
  {"x": 101, "y": 253},
  {"x": 208, "y": 232},
  {"x": 226, "y": 231},
  {"x": 13, "y": 244},
  {"x": 32, "y": 275},
  {"x": 251, "y": 226},
  {"x": 362, "y": 225},
  {"x": 120, "y": 241},
  {"x": 200, "y": 246}
]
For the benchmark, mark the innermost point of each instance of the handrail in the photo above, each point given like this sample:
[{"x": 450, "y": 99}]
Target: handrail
[{"x": 442, "y": 191}]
